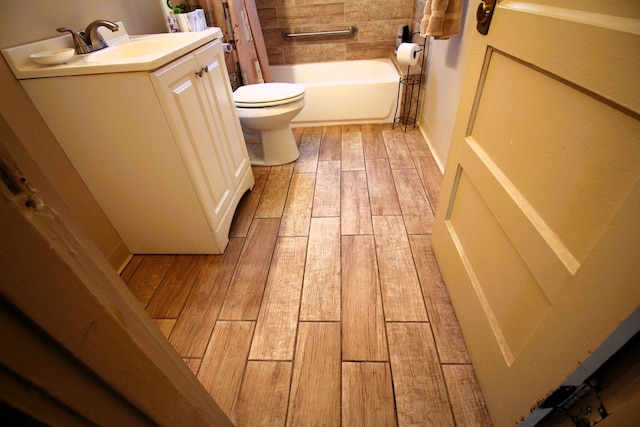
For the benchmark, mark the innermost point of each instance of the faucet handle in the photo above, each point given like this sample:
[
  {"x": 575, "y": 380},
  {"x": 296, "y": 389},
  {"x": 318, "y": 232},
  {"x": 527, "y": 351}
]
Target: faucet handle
[{"x": 78, "y": 40}]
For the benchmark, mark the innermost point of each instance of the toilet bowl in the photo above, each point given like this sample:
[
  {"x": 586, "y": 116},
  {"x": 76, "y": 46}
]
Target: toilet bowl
[{"x": 266, "y": 111}]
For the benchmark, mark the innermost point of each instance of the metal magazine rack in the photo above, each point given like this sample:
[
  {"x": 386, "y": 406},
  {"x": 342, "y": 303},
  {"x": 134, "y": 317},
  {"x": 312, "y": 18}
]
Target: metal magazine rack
[{"x": 406, "y": 112}]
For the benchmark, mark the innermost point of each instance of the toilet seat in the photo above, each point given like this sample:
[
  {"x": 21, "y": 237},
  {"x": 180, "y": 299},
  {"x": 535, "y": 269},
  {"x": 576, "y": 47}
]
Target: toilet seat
[{"x": 267, "y": 94}]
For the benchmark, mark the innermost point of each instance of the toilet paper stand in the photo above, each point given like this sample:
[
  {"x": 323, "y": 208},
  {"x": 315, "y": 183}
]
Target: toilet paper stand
[{"x": 405, "y": 114}]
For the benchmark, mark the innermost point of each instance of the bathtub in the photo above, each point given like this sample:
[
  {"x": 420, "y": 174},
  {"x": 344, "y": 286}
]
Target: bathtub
[{"x": 343, "y": 92}]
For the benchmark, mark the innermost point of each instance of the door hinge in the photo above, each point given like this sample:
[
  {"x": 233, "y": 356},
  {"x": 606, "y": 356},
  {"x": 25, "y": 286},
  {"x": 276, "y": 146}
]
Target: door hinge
[{"x": 584, "y": 406}]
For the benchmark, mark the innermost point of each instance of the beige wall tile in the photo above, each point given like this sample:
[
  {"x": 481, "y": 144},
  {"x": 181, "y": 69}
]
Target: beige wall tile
[{"x": 377, "y": 22}]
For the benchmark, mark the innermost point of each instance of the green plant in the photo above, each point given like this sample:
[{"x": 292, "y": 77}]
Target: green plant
[
  {"x": 181, "y": 8},
  {"x": 184, "y": 8}
]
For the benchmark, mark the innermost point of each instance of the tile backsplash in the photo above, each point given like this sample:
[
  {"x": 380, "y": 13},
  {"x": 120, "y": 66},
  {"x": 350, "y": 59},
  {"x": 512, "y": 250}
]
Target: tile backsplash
[{"x": 377, "y": 22}]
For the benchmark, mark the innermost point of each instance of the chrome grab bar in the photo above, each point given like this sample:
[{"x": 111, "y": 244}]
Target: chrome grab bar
[{"x": 350, "y": 32}]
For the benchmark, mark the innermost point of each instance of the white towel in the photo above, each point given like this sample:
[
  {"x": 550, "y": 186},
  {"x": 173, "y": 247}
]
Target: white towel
[{"x": 442, "y": 18}]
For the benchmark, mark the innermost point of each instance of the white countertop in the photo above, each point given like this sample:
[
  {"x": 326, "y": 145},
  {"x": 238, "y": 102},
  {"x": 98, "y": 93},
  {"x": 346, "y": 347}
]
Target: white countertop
[{"x": 178, "y": 44}]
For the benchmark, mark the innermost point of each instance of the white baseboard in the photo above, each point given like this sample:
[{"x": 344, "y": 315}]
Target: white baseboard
[
  {"x": 120, "y": 257},
  {"x": 436, "y": 149}
]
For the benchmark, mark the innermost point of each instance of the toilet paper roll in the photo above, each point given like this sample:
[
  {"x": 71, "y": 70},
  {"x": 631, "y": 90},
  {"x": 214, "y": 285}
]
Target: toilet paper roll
[{"x": 408, "y": 54}]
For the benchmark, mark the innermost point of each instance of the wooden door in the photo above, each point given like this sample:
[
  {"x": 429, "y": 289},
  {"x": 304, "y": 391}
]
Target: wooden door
[
  {"x": 78, "y": 348},
  {"x": 538, "y": 228},
  {"x": 249, "y": 45}
]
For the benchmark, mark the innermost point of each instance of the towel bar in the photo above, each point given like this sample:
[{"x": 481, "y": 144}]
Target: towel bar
[{"x": 350, "y": 32}]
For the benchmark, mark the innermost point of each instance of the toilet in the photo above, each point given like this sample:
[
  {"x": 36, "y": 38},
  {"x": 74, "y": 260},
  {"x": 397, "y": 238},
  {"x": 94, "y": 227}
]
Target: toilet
[{"x": 266, "y": 111}]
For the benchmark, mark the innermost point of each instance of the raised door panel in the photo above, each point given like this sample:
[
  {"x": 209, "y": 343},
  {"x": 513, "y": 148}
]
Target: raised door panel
[
  {"x": 188, "y": 108},
  {"x": 536, "y": 228},
  {"x": 216, "y": 81}
]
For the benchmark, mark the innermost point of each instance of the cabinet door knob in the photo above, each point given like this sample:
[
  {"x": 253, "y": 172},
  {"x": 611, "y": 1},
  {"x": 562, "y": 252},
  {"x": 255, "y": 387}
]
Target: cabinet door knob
[{"x": 202, "y": 70}]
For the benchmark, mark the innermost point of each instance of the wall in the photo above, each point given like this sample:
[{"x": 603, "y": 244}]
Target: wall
[
  {"x": 33, "y": 20},
  {"x": 446, "y": 66},
  {"x": 377, "y": 22}
]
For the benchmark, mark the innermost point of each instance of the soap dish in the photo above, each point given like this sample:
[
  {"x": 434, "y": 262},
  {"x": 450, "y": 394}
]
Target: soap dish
[{"x": 52, "y": 57}]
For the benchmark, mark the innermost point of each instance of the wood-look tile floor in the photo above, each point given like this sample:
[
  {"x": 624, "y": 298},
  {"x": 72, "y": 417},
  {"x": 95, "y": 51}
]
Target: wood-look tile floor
[{"x": 327, "y": 307}]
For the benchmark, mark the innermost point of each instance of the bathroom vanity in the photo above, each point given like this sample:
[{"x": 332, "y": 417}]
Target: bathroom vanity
[{"x": 153, "y": 132}]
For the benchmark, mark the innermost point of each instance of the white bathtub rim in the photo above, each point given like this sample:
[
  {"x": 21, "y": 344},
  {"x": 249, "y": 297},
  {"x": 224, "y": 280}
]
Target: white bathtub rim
[{"x": 325, "y": 111}]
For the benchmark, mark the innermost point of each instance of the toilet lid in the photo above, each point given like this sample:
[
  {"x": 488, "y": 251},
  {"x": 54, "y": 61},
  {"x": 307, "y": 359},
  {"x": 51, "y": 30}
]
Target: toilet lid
[{"x": 267, "y": 94}]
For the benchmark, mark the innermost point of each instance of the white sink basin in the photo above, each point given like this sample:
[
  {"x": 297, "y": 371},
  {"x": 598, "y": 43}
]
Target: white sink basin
[
  {"x": 125, "y": 53},
  {"x": 133, "y": 49}
]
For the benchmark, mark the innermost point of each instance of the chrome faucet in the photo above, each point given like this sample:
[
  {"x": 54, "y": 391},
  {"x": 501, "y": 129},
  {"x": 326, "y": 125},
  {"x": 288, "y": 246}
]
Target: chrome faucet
[{"x": 90, "y": 40}]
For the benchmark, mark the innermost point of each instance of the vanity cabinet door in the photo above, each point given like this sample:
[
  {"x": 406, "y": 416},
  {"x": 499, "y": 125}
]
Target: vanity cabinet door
[
  {"x": 216, "y": 80},
  {"x": 186, "y": 99}
]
